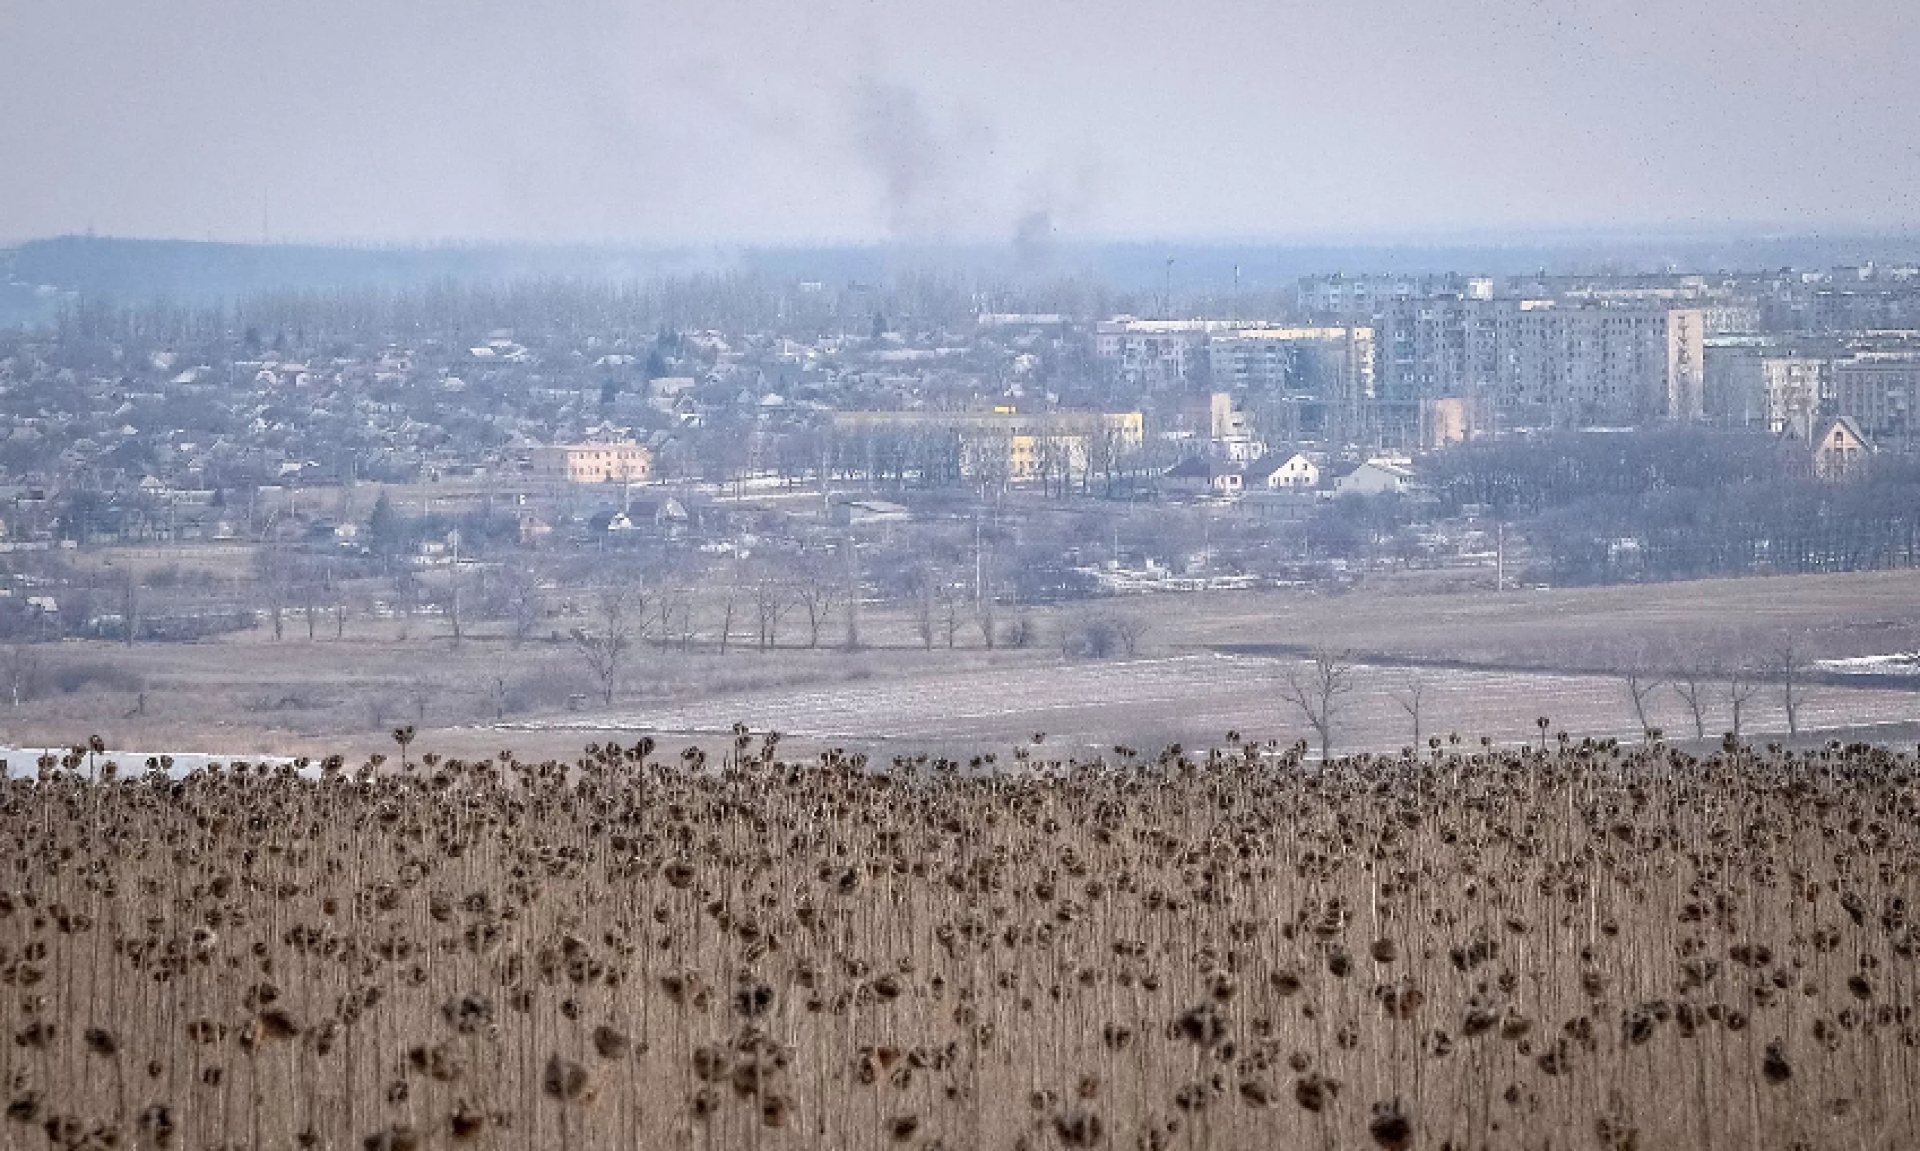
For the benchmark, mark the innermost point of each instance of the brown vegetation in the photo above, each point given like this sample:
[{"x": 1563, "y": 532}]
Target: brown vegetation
[{"x": 1576, "y": 944}]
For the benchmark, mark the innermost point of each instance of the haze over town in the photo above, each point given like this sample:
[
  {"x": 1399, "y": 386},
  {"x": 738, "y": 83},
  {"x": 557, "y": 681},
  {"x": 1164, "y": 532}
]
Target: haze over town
[{"x": 752, "y": 122}]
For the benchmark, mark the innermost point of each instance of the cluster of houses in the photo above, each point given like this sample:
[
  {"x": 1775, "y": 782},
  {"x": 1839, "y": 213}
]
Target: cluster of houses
[
  {"x": 157, "y": 425},
  {"x": 1300, "y": 473}
]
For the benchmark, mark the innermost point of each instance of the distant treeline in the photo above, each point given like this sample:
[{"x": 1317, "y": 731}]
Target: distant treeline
[
  {"x": 134, "y": 270},
  {"x": 1686, "y": 504},
  {"x": 193, "y": 271}
]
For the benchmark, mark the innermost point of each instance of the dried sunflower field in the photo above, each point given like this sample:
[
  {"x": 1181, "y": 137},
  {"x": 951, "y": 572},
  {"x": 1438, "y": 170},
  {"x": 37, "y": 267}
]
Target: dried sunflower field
[{"x": 1573, "y": 945}]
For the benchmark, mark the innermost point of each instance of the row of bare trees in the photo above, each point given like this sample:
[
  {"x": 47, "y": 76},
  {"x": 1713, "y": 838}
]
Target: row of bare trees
[
  {"x": 1699, "y": 684},
  {"x": 621, "y": 618},
  {"x": 1318, "y": 690}
]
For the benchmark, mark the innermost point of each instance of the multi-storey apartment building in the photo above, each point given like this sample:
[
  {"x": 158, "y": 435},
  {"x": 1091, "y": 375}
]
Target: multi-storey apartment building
[
  {"x": 1879, "y": 391},
  {"x": 1793, "y": 390},
  {"x": 1790, "y": 384},
  {"x": 1541, "y": 360},
  {"x": 1357, "y": 299},
  {"x": 618, "y": 462},
  {"x": 1337, "y": 361},
  {"x": 1156, "y": 354},
  {"x": 1323, "y": 376},
  {"x": 1320, "y": 381}
]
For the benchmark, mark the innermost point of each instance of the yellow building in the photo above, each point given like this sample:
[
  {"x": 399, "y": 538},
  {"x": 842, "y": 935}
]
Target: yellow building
[
  {"x": 1028, "y": 458},
  {"x": 1444, "y": 422},
  {"x": 1017, "y": 447},
  {"x": 620, "y": 462}
]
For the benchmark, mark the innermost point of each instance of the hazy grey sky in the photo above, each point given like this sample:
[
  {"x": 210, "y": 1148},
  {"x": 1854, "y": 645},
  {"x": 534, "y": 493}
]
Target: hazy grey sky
[{"x": 792, "y": 120}]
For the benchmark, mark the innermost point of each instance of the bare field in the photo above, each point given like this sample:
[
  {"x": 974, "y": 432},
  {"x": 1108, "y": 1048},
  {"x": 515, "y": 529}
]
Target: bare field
[
  {"x": 1511, "y": 657},
  {"x": 1862, "y": 613},
  {"x": 1196, "y": 700}
]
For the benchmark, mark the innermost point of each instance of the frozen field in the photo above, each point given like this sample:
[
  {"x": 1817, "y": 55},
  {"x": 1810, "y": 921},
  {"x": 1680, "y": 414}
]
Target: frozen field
[{"x": 1197, "y": 699}]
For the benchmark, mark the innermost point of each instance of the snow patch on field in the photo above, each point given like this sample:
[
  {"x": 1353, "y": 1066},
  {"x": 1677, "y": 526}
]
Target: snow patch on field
[{"x": 1899, "y": 663}]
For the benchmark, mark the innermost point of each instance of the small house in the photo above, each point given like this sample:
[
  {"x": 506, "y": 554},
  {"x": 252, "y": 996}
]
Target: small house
[
  {"x": 1839, "y": 448},
  {"x": 1372, "y": 478},
  {"x": 1284, "y": 473}
]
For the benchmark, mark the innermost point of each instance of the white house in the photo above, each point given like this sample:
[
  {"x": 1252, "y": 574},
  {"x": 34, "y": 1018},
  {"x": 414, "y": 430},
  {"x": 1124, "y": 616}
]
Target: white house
[
  {"x": 1373, "y": 478},
  {"x": 1290, "y": 473}
]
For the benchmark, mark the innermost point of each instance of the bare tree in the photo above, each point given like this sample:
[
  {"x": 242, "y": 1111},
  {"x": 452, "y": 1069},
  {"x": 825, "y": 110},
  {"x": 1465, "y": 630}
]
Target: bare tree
[
  {"x": 1641, "y": 684},
  {"x": 275, "y": 580},
  {"x": 453, "y": 602},
  {"x": 420, "y": 694},
  {"x": 984, "y": 618},
  {"x": 1741, "y": 687},
  {"x": 1318, "y": 689},
  {"x": 130, "y": 607},
  {"x": 850, "y": 613},
  {"x": 1129, "y": 627},
  {"x": 925, "y": 595},
  {"x": 1693, "y": 687},
  {"x": 728, "y": 604},
  {"x": 519, "y": 591},
  {"x": 1790, "y": 666},
  {"x": 771, "y": 604},
  {"x": 1022, "y": 633},
  {"x": 819, "y": 594},
  {"x": 604, "y": 648},
  {"x": 1090, "y": 635},
  {"x": 1411, "y": 695},
  {"x": 406, "y": 597},
  {"x": 950, "y": 601},
  {"x": 675, "y": 612},
  {"x": 20, "y": 670},
  {"x": 1069, "y": 635}
]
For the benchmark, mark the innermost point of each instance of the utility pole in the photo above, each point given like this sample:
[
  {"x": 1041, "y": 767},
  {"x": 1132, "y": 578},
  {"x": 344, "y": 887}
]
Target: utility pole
[
  {"x": 979, "y": 567},
  {"x": 1500, "y": 557}
]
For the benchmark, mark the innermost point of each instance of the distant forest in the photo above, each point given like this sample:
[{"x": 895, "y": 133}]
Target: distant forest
[{"x": 201, "y": 272}]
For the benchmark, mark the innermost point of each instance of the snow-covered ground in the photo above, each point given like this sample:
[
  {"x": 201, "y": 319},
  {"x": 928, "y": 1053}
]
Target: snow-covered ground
[{"x": 1899, "y": 663}]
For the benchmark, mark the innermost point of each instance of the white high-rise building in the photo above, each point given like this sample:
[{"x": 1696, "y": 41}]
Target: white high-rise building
[{"x": 1542, "y": 360}]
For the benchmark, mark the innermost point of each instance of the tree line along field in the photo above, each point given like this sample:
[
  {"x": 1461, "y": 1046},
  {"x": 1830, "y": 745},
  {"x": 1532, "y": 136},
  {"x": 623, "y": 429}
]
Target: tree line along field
[
  {"x": 1194, "y": 699},
  {"x": 1495, "y": 662},
  {"x": 1572, "y": 944}
]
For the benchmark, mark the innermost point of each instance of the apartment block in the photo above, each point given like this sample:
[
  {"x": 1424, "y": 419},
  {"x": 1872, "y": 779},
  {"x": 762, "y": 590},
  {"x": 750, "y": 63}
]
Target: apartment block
[
  {"x": 619, "y": 462},
  {"x": 1878, "y": 391},
  {"x": 1542, "y": 361}
]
